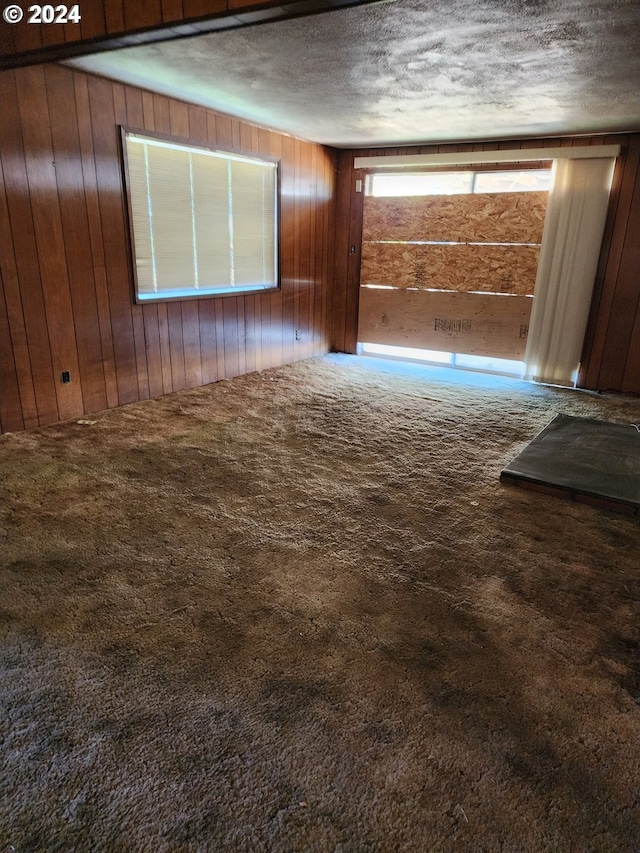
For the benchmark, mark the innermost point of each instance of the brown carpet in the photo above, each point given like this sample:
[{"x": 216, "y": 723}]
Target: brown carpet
[{"x": 297, "y": 612}]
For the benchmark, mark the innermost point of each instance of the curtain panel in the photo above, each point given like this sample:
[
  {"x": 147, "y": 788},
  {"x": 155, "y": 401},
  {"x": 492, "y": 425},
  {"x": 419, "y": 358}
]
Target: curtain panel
[{"x": 571, "y": 241}]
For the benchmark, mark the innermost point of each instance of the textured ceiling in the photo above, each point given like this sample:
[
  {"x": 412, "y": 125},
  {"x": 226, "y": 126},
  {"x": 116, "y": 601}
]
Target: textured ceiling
[{"x": 411, "y": 70}]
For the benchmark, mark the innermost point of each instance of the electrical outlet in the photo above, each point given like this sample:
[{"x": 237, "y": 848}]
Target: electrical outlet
[
  {"x": 298, "y": 335},
  {"x": 65, "y": 376}
]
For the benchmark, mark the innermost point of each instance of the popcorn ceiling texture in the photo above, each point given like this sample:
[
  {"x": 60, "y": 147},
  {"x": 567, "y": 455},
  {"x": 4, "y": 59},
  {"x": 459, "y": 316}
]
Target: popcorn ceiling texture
[
  {"x": 297, "y": 611},
  {"x": 411, "y": 71}
]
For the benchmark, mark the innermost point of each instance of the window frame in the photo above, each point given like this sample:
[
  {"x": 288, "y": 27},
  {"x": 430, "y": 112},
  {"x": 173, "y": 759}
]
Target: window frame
[
  {"x": 472, "y": 171},
  {"x": 218, "y": 149}
]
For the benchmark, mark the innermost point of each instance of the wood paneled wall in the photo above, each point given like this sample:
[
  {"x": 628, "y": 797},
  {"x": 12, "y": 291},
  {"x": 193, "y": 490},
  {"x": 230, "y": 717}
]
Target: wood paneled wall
[
  {"x": 611, "y": 356},
  {"x": 66, "y": 268}
]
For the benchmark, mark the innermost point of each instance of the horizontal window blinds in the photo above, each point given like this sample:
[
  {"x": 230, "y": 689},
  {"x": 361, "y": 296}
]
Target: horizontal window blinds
[{"x": 204, "y": 222}]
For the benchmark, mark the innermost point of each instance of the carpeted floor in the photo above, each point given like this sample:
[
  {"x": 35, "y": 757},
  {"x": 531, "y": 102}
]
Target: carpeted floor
[{"x": 297, "y": 612}]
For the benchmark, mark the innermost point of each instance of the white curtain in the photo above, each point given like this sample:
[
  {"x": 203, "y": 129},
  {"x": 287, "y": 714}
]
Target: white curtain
[{"x": 571, "y": 241}]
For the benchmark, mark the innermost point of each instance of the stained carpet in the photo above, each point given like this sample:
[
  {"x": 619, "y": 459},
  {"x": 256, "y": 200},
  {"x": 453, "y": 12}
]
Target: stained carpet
[{"x": 297, "y": 612}]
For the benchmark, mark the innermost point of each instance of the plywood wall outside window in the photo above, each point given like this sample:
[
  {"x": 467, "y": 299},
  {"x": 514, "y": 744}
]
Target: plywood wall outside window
[
  {"x": 422, "y": 253},
  {"x": 486, "y": 242}
]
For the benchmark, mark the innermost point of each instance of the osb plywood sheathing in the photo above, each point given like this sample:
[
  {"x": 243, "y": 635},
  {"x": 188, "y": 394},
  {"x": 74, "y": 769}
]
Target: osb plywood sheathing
[
  {"x": 472, "y": 323},
  {"x": 490, "y": 269},
  {"x": 481, "y": 217}
]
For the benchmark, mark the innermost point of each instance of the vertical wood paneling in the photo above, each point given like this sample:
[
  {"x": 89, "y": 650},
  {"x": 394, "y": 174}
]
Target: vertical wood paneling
[
  {"x": 15, "y": 335},
  {"x": 249, "y": 333},
  {"x": 353, "y": 273},
  {"x": 96, "y": 242},
  {"x": 230, "y": 338},
  {"x": 329, "y": 244},
  {"x": 273, "y": 346},
  {"x": 66, "y": 264},
  {"x": 619, "y": 300},
  {"x": 197, "y": 124},
  {"x": 176, "y": 345},
  {"x": 28, "y": 36},
  {"x": 191, "y": 354},
  {"x": 196, "y": 8},
  {"x": 305, "y": 319},
  {"x": 242, "y": 338},
  {"x": 110, "y": 201},
  {"x": 140, "y": 114},
  {"x": 93, "y": 22},
  {"x": 631, "y": 376},
  {"x": 165, "y": 347},
  {"x": 162, "y": 123},
  {"x": 316, "y": 168},
  {"x": 53, "y": 34},
  {"x": 142, "y": 13},
  {"x": 297, "y": 214},
  {"x": 114, "y": 16},
  {"x": 137, "y": 318},
  {"x": 76, "y": 238},
  {"x": 224, "y": 132},
  {"x": 290, "y": 287},
  {"x": 172, "y": 10},
  {"x": 10, "y": 403},
  {"x": 245, "y": 136},
  {"x": 52, "y": 262},
  {"x": 218, "y": 306},
  {"x": 342, "y": 243},
  {"x": 207, "y": 321}
]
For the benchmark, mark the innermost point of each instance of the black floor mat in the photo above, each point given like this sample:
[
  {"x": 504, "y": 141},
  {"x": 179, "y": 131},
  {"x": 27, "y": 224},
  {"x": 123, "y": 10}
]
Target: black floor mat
[{"x": 586, "y": 460}]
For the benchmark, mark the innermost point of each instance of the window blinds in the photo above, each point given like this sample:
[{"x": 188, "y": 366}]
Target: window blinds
[{"x": 203, "y": 222}]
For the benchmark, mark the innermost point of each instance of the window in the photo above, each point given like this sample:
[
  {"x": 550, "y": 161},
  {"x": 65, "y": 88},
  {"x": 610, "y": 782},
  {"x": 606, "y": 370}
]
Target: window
[
  {"x": 458, "y": 183},
  {"x": 422, "y": 183},
  {"x": 203, "y": 222},
  {"x": 511, "y": 181}
]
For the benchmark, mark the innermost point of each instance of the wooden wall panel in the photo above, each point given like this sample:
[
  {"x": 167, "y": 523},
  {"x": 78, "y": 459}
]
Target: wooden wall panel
[
  {"x": 22, "y": 282},
  {"x": 66, "y": 265},
  {"x": 15, "y": 356},
  {"x": 10, "y": 403},
  {"x": 75, "y": 232},
  {"x": 96, "y": 240},
  {"x": 47, "y": 221},
  {"x": 613, "y": 335},
  {"x": 344, "y": 233},
  {"x": 612, "y": 343}
]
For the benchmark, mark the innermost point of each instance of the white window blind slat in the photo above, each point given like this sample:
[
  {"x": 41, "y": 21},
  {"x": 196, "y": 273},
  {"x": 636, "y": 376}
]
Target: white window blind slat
[
  {"x": 212, "y": 220},
  {"x": 141, "y": 221},
  {"x": 170, "y": 193},
  {"x": 253, "y": 214}
]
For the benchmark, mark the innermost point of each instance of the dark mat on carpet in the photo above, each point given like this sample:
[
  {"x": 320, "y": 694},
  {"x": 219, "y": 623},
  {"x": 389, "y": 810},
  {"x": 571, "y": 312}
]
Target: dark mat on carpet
[{"x": 583, "y": 459}]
